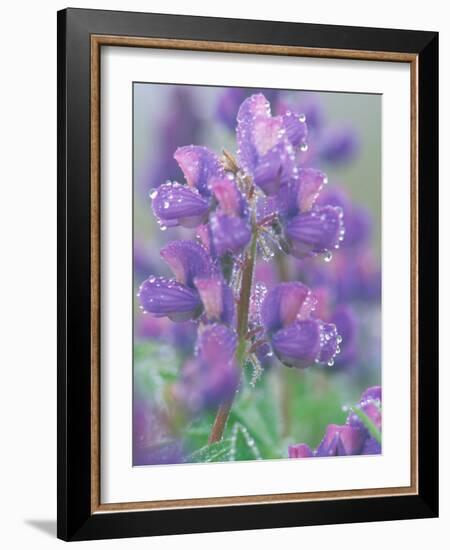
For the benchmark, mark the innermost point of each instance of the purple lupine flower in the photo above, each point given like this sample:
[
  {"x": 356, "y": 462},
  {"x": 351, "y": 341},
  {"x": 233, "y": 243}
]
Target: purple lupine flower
[
  {"x": 265, "y": 151},
  {"x": 177, "y": 298},
  {"x": 370, "y": 405},
  {"x": 187, "y": 205},
  {"x": 308, "y": 229},
  {"x": 229, "y": 228},
  {"x": 297, "y": 339},
  {"x": 358, "y": 220},
  {"x": 341, "y": 441},
  {"x": 197, "y": 288},
  {"x": 213, "y": 375},
  {"x": 352, "y": 438}
]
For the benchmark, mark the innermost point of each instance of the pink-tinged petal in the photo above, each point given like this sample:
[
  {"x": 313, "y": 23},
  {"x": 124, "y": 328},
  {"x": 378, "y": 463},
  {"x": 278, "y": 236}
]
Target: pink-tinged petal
[
  {"x": 296, "y": 129},
  {"x": 187, "y": 260},
  {"x": 166, "y": 298},
  {"x": 174, "y": 204},
  {"x": 311, "y": 183},
  {"x": 285, "y": 304},
  {"x": 199, "y": 166},
  {"x": 266, "y": 133},
  {"x": 341, "y": 441},
  {"x": 315, "y": 232},
  {"x": 217, "y": 299},
  {"x": 228, "y": 196},
  {"x": 300, "y": 450}
]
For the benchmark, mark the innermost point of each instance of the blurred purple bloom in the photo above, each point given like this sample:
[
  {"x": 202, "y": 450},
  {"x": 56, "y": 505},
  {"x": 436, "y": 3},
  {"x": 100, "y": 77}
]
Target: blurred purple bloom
[
  {"x": 344, "y": 317},
  {"x": 352, "y": 438},
  {"x": 300, "y": 450},
  {"x": 358, "y": 220},
  {"x": 152, "y": 442},
  {"x": 341, "y": 441},
  {"x": 370, "y": 405},
  {"x": 181, "y": 125},
  {"x": 213, "y": 374},
  {"x": 339, "y": 145},
  {"x": 297, "y": 339}
]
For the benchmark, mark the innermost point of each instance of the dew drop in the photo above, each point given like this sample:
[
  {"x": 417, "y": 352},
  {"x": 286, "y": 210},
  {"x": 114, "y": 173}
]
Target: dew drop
[
  {"x": 153, "y": 193},
  {"x": 304, "y": 147},
  {"x": 328, "y": 256}
]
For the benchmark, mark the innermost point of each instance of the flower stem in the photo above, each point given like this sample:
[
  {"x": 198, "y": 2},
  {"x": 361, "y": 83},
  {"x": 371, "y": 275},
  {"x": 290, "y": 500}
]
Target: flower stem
[{"x": 224, "y": 409}]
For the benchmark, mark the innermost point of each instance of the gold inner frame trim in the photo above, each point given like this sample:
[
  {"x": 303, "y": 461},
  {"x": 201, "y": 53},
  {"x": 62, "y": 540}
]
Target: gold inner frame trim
[{"x": 97, "y": 41}]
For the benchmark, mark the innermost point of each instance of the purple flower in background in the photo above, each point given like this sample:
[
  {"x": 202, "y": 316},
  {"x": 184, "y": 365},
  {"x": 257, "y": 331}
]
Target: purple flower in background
[
  {"x": 341, "y": 441},
  {"x": 213, "y": 375},
  {"x": 346, "y": 321},
  {"x": 182, "y": 125},
  {"x": 370, "y": 406},
  {"x": 352, "y": 438},
  {"x": 152, "y": 442},
  {"x": 358, "y": 220},
  {"x": 297, "y": 339},
  {"x": 308, "y": 229},
  {"x": 339, "y": 145},
  {"x": 187, "y": 205}
]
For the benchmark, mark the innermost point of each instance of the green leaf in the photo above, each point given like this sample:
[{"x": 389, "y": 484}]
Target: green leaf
[
  {"x": 216, "y": 452},
  {"x": 243, "y": 446},
  {"x": 373, "y": 430}
]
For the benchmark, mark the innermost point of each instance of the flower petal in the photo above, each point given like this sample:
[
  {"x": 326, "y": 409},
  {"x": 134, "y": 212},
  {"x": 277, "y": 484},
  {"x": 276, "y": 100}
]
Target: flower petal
[
  {"x": 286, "y": 303},
  {"x": 298, "y": 345},
  {"x": 214, "y": 375},
  {"x": 314, "y": 232},
  {"x": 295, "y": 126},
  {"x": 217, "y": 299},
  {"x": 264, "y": 150},
  {"x": 166, "y": 298},
  {"x": 175, "y": 204},
  {"x": 300, "y": 450},
  {"x": 199, "y": 166},
  {"x": 229, "y": 233},
  {"x": 228, "y": 196},
  {"x": 187, "y": 260},
  {"x": 341, "y": 441}
]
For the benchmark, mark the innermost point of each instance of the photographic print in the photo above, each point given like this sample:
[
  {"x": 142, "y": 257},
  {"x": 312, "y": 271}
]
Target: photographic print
[{"x": 257, "y": 274}]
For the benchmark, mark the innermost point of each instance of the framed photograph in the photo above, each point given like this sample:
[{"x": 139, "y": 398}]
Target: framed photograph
[{"x": 247, "y": 255}]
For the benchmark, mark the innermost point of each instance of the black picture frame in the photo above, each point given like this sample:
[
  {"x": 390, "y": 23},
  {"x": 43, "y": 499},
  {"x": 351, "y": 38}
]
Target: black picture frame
[{"x": 75, "y": 518}]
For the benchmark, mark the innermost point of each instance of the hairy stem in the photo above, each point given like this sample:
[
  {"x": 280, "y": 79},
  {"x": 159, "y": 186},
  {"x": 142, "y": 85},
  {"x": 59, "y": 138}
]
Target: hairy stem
[{"x": 224, "y": 409}]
